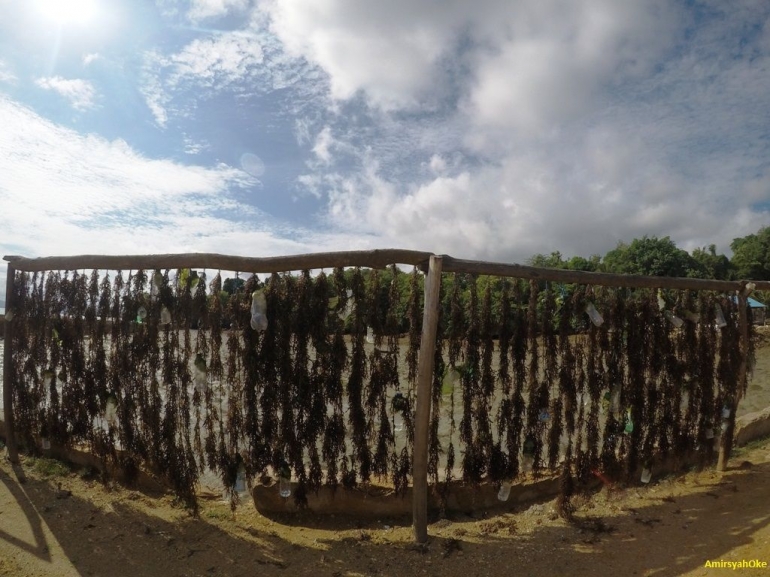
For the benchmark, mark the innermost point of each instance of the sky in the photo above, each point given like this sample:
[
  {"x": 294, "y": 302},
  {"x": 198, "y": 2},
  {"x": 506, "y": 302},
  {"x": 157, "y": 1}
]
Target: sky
[{"x": 493, "y": 129}]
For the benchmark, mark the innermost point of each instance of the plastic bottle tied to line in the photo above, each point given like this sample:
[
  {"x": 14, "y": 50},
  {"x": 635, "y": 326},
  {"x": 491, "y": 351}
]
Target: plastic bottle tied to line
[
  {"x": 284, "y": 481},
  {"x": 720, "y": 316},
  {"x": 646, "y": 475},
  {"x": 504, "y": 492},
  {"x": 594, "y": 315},
  {"x": 199, "y": 373},
  {"x": 726, "y": 412},
  {"x": 452, "y": 378},
  {"x": 240, "y": 480},
  {"x": 673, "y": 319},
  {"x": 370, "y": 336},
  {"x": 399, "y": 405},
  {"x": 141, "y": 314},
  {"x": 111, "y": 411},
  {"x": 258, "y": 311},
  {"x": 165, "y": 316}
]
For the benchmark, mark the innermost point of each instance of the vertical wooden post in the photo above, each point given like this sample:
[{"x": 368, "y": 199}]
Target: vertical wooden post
[
  {"x": 10, "y": 439},
  {"x": 422, "y": 411},
  {"x": 726, "y": 444}
]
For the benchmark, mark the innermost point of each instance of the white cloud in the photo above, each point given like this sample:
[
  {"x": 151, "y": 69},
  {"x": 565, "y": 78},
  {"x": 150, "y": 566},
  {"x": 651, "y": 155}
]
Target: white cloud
[
  {"x": 195, "y": 147},
  {"x": 80, "y": 93},
  {"x": 5, "y": 73},
  {"x": 203, "y": 9},
  {"x": 90, "y": 58},
  {"x": 66, "y": 193},
  {"x": 389, "y": 50},
  {"x": 322, "y": 147},
  {"x": 564, "y": 125},
  {"x": 218, "y": 60},
  {"x": 209, "y": 64}
]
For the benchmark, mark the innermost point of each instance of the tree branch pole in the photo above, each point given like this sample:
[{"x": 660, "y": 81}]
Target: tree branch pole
[
  {"x": 422, "y": 411},
  {"x": 10, "y": 441},
  {"x": 379, "y": 259},
  {"x": 726, "y": 442}
]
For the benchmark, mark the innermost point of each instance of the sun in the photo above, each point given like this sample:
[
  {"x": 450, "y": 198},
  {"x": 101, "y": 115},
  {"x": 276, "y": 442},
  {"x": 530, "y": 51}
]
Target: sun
[{"x": 68, "y": 11}]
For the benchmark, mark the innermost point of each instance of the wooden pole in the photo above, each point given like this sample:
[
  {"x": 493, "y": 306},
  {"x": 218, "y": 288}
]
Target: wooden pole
[
  {"x": 422, "y": 411},
  {"x": 10, "y": 439},
  {"x": 726, "y": 442}
]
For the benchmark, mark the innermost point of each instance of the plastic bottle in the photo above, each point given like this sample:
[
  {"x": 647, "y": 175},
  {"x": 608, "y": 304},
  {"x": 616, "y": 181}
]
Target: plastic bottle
[
  {"x": 258, "y": 311},
  {"x": 673, "y": 319},
  {"x": 594, "y": 315},
  {"x": 504, "y": 492},
  {"x": 720, "y": 316},
  {"x": 165, "y": 316},
  {"x": 240, "y": 480},
  {"x": 646, "y": 475},
  {"x": 111, "y": 411}
]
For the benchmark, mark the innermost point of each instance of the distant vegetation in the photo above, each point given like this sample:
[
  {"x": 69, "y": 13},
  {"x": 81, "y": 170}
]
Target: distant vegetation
[{"x": 644, "y": 256}]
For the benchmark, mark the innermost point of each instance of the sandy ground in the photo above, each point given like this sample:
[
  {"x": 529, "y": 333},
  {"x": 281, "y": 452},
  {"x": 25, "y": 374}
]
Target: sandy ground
[
  {"x": 63, "y": 525},
  {"x": 56, "y": 522}
]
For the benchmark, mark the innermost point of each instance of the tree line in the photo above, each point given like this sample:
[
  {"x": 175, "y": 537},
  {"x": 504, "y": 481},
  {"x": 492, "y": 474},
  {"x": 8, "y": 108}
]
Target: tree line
[{"x": 648, "y": 255}]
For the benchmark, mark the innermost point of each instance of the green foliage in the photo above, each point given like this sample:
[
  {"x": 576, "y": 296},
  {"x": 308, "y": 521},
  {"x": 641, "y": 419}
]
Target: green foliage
[
  {"x": 751, "y": 255},
  {"x": 231, "y": 285},
  {"x": 710, "y": 264},
  {"x": 50, "y": 468},
  {"x": 650, "y": 256}
]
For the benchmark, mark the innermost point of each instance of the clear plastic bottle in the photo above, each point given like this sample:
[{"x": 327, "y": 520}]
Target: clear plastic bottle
[
  {"x": 504, "y": 492},
  {"x": 594, "y": 315},
  {"x": 284, "y": 480},
  {"x": 370, "y": 336},
  {"x": 284, "y": 487},
  {"x": 646, "y": 475},
  {"x": 111, "y": 411},
  {"x": 720, "y": 316},
  {"x": 165, "y": 316},
  {"x": 258, "y": 311},
  {"x": 673, "y": 319},
  {"x": 240, "y": 480}
]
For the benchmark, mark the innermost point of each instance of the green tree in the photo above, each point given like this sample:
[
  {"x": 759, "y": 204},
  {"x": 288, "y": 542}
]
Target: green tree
[
  {"x": 650, "y": 256},
  {"x": 710, "y": 264},
  {"x": 554, "y": 260},
  {"x": 231, "y": 285},
  {"x": 751, "y": 255}
]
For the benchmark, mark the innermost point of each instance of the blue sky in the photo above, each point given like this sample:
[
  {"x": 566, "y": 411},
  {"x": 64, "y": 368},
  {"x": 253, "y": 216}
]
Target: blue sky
[{"x": 492, "y": 129}]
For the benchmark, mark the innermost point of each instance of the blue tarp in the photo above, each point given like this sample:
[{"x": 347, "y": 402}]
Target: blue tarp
[{"x": 754, "y": 304}]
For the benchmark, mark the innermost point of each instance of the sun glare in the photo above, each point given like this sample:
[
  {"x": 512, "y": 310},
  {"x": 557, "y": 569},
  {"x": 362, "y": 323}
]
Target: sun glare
[{"x": 68, "y": 11}]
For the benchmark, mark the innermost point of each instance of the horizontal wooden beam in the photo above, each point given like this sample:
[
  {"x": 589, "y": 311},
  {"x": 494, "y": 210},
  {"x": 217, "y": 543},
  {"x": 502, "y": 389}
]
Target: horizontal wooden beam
[
  {"x": 380, "y": 258},
  {"x": 457, "y": 265}
]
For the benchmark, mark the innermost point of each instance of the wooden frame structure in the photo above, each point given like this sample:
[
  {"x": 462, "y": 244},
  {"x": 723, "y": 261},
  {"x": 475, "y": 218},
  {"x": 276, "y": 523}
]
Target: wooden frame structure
[{"x": 433, "y": 265}]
